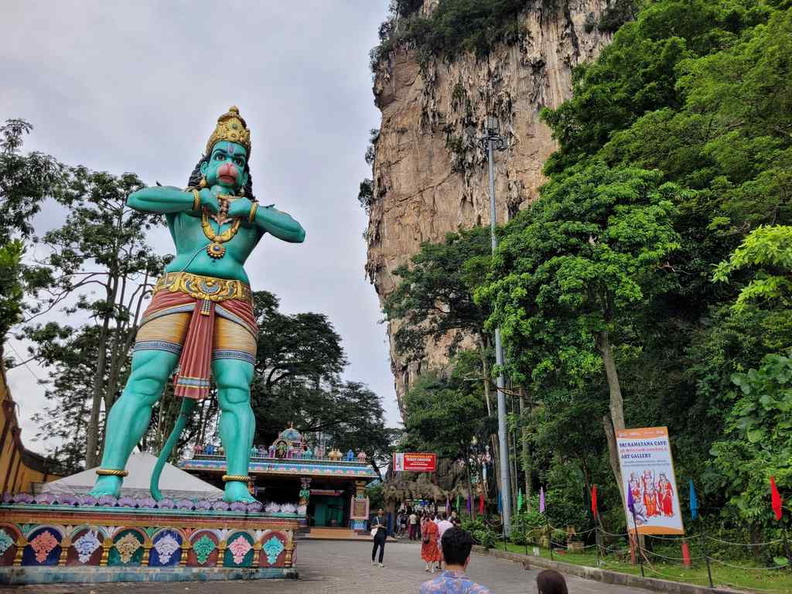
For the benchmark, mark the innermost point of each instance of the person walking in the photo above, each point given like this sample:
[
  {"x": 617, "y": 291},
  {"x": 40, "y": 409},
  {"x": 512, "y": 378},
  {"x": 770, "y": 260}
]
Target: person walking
[
  {"x": 457, "y": 544},
  {"x": 443, "y": 524},
  {"x": 379, "y": 530},
  {"x": 429, "y": 550},
  {"x": 413, "y": 525}
]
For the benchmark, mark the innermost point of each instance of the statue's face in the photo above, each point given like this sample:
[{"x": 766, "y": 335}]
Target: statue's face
[{"x": 226, "y": 166}]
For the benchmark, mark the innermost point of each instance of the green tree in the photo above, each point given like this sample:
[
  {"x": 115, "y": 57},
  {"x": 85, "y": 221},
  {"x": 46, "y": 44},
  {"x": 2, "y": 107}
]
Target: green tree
[
  {"x": 638, "y": 72},
  {"x": 758, "y": 440},
  {"x": 298, "y": 366},
  {"x": 572, "y": 274},
  {"x": 443, "y": 415},
  {"x": 770, "y": 250},
  {"x": 26, "y": 180},
  {"x": 434, "y": 300},
  {"x": 70, "y": 354},
  {"x": 101, "y": 244},
  {"x": 435, "y": 293}
]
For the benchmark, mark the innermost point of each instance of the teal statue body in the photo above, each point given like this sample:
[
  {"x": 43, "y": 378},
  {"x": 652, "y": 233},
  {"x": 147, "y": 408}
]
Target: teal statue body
[{"x": 200, "y": 322}]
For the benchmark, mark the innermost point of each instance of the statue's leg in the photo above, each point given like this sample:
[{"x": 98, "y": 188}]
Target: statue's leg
[
  {"x": 237, "y": 423},
  {"x": 130, "y": 416}
]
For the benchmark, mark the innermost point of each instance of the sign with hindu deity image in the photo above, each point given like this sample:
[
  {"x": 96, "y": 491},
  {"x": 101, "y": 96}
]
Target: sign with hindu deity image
[{"x": 650, "y": 489}]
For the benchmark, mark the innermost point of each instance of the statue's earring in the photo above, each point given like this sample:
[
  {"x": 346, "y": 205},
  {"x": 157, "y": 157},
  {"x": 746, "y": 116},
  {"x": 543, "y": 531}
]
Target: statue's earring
[
  {"x": 203, "y": 182},
  {"x": 242, "y": 192}
]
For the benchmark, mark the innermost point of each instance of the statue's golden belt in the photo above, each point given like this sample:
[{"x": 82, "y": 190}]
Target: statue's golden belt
[{"x": 203, "y": 287}]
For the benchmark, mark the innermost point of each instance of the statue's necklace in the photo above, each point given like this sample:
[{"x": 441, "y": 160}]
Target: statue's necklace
[{"x": 216, "y": 249}]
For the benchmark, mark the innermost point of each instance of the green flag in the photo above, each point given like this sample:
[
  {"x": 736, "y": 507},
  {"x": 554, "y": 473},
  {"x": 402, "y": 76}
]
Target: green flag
[
  {"x": 459, "y": 503},
  {"x": 519, "y": 500}
]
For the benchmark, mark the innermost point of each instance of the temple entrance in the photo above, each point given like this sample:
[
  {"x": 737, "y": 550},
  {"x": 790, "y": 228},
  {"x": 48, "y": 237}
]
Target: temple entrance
[{"x": 327, "y": 510}]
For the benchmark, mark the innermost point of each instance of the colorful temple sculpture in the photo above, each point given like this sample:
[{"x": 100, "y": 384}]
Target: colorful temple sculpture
[
  {"x": 199, "y": 331},
  {"x": 327, "y": 486}
]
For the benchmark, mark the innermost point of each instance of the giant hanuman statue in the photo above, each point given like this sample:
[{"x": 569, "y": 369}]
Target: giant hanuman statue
[{"x": 200, "y": 321}]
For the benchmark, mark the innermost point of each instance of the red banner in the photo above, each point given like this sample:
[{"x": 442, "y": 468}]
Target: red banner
[{"x": 414, "y": 462}]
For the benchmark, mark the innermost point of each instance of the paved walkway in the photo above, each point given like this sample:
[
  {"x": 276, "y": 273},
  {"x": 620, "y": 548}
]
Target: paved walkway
[{"x": 336, "y": 567}]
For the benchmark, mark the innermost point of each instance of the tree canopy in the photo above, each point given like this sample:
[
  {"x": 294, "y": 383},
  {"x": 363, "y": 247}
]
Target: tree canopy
[{"x": 652, "y": 275}]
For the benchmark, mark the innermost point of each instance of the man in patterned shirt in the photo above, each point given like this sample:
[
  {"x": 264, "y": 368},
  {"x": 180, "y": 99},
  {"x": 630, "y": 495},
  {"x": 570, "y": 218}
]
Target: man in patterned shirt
[{"x": 456, "y": 545}]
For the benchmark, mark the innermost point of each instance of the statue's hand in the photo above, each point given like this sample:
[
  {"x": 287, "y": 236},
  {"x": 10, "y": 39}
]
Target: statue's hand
[
  {"x": 209, "y": 201},
  {"x": 240, "y": 208}
]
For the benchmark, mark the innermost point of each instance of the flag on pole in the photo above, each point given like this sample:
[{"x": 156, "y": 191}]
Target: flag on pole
[
  {"x": 594, "y": 500},
  {"x": 500, "y": 503},
  {"x": 693, "y": 501},
  {"x": 630, "y": 501},
  {"x": 459, "y": 503},
  {"x": 541, "y": 500},
  {"x": 519, "y": 500},
  {"x": 775, "y": 499},
  {"x": 469, "y": 504},
  {"x": 481, "y": 503}
]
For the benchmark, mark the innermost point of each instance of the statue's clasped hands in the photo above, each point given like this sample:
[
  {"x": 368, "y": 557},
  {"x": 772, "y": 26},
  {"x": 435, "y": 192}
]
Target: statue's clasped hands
[
  {"x": 237, "y": 208},
  {"x": 209, "y": 201},
  {"x": 240, "y": 208}
]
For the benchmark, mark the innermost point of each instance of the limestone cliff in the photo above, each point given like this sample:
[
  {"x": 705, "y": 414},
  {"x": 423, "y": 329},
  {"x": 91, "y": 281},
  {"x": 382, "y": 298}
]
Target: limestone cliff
[{"x": 429, "y": 175}]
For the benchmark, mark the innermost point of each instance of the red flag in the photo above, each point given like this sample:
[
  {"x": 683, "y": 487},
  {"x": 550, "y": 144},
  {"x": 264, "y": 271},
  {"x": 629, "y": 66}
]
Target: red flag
[
  {"x": 594, "y": 500},
  {"x": 481, "y": 503},
  {"x": 775, "y": 498}
]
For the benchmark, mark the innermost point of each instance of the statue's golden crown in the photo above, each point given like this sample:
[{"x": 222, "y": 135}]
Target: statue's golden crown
[{"x": 231, "y": 127}]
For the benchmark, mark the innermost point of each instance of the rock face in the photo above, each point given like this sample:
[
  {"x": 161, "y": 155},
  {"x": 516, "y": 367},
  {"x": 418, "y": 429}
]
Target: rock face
[{"x": 430, "y": 176}]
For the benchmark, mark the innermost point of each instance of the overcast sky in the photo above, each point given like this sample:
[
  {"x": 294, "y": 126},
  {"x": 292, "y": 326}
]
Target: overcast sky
[{"x": 138, "y": 86}]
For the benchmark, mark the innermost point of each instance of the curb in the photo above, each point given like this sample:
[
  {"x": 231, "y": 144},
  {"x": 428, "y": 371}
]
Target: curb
[
  {"x": 602, "y": 575},
  {"x": 50, "y": 575}
]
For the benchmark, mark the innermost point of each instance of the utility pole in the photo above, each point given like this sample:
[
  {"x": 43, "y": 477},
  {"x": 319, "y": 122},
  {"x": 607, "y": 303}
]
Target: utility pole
[{"x": 492, "y": 141}]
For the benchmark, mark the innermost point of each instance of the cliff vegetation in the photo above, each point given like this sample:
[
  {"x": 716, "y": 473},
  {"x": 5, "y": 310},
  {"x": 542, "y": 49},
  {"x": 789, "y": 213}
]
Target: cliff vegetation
[{"x": 649, "y": 283}]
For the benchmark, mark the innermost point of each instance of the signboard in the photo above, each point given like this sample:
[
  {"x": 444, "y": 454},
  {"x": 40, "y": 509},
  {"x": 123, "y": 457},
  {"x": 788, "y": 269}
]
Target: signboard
[
  {"x": 360, "y": 508},
  {"x": 414, "y": 462},
  {"x": 648, "y": 481}
]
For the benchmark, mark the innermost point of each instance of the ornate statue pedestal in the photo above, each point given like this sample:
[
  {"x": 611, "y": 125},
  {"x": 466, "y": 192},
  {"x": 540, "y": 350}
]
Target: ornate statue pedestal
[{"x": 84, "y": 540}]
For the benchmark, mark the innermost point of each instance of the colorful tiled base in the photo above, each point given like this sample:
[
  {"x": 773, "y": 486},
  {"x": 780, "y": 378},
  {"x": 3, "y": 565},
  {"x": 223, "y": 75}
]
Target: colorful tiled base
[{"x": 140, "y": 542}]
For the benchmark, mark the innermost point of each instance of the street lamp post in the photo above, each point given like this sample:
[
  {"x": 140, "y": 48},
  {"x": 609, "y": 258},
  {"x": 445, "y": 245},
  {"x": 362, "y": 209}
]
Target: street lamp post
[{"x": 492, "y": 141}]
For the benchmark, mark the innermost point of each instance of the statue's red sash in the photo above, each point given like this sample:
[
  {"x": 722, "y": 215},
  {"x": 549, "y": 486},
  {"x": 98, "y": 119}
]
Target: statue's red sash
[{"x": 194, "y": 371}]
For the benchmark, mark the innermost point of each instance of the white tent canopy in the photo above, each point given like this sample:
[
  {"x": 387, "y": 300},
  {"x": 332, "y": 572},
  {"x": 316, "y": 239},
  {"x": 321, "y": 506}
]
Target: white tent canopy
[{"x": 173, "y": 483}]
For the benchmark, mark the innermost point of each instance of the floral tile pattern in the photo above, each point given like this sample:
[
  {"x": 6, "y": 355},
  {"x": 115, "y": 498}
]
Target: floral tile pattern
[
  {"x": 43, "y": 544},
  {"x": 165, "y": 547},
  {"x": 239, "y": 548},
  {"x": 273, "y": 548},
  {"x": 203, "y": 547},
  {"x": 86, "y": 545}
]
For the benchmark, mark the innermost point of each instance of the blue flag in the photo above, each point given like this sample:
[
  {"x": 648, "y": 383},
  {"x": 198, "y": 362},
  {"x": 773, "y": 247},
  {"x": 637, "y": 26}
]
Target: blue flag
[
  {"x": 500, "y": 503},
  {"x": 693, "y": 501}
]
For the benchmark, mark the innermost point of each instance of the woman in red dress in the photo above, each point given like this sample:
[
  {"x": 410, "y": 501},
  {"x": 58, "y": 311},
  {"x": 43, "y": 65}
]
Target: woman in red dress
[{"x": 429, "y": 551}]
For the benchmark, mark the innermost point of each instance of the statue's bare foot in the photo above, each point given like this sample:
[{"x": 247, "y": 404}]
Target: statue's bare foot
[
  {"x": 237, "y": 491},
  {"x": 107, "y": 485}
]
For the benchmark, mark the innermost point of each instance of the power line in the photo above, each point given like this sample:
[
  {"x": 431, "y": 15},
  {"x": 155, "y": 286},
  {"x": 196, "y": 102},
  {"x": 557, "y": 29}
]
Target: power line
[{"x": 25, "y": 363}]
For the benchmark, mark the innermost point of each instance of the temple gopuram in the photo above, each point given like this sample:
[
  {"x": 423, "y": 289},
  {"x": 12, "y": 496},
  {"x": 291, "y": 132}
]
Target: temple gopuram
[{"x": 328, "y": 486}]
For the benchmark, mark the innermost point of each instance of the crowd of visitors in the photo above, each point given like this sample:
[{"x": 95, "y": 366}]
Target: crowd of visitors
[
  {"x": 445, "y": 546},
  {"x": 409, "y": 522}
]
